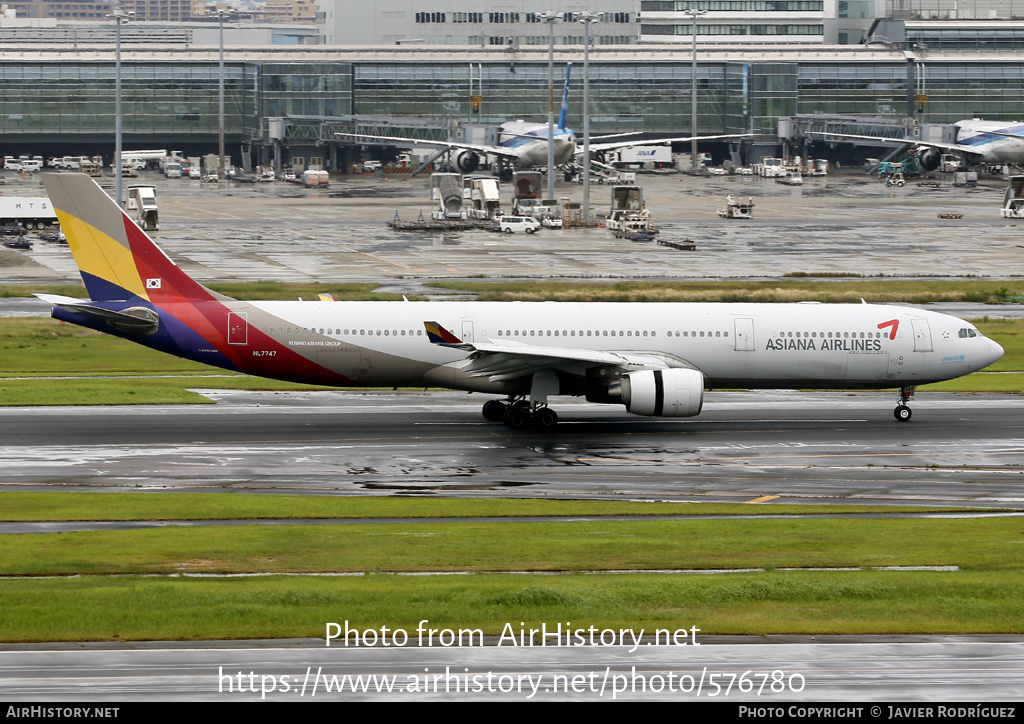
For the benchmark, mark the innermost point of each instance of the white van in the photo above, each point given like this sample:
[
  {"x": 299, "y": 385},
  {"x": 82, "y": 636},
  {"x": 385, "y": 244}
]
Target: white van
[{"x": 508, "y": 224}]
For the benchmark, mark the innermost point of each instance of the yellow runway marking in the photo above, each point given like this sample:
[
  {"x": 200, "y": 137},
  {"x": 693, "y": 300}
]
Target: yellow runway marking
[{"x": 763, "y": 499}]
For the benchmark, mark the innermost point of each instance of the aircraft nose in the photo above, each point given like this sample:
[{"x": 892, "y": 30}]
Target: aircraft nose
[{"x": 995, "y": 352}]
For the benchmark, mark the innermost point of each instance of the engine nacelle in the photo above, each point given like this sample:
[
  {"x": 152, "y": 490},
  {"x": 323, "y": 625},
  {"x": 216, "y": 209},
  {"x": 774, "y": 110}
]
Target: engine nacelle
[
  {"x": 466, "y": 161},
  {"x": 663, "y": 393},
  {"x": 929, "y": 159}
]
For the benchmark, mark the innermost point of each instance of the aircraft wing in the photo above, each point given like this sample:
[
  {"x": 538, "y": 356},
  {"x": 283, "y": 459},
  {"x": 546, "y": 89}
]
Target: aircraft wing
[
  {"x": 504, "y": 359},
  {"x": 959, "y": 148},
  {"x": 479, "y": 148},
  {"x": 598, "y": 147}
]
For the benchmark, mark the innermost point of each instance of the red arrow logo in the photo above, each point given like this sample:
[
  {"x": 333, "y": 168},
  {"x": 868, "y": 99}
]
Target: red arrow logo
[{"x": 893, "y": 324}]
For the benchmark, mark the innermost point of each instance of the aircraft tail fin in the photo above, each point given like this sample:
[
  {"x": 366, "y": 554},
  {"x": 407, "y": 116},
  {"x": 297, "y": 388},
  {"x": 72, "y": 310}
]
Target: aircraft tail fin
[
  {"x": 117, "y": 260},
  {"x": 563, "y": 115}
]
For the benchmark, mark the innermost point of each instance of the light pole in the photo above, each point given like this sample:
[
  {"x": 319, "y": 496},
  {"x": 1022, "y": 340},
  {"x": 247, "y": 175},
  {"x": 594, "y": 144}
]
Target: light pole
[
  {"x": 694, "y": 164},
  {"x": 220, "y": 15},
  {"x": 120, "y": 17},
  {"x": 586, "y": 18},
  {"x": 551, "y": 17}
]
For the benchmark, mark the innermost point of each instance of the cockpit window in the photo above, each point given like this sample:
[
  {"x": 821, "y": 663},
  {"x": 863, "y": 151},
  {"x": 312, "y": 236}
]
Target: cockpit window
[{"x": 965, "y": 333}]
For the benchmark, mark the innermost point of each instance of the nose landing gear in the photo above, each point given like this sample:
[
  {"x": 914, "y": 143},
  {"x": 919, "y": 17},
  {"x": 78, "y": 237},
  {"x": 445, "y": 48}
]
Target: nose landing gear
[{"x": 902, "y": 411}]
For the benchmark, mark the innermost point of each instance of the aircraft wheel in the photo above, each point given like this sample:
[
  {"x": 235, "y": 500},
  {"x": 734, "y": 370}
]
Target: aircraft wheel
[
  {"x": 517, "y": 418},
  {"x": 545, "y": 418},
  {"x": 494, "y": 410},
  {"x": 902, "y": 413}
]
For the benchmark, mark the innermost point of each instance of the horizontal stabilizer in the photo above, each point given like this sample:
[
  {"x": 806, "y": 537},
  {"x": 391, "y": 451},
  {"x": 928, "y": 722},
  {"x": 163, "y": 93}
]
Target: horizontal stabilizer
[{"x": 136, "y": 321}]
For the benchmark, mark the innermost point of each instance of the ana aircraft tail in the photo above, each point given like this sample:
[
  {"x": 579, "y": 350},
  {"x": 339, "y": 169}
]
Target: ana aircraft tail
[
  {"x": 116, "y": 258},
  {"x": 563, "y": 116}
]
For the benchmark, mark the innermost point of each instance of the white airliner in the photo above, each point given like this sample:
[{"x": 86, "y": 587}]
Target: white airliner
[
  {"x": 519, "y": 143},
  {"x": 977, "y": 141},
  {"x": 526, "y": 144},
  {"x": 655, "y": 359}
]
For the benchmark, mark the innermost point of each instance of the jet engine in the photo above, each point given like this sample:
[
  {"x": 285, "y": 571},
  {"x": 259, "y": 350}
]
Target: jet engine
[
  {"x": 466, "y": 161},
  {"x": 663, "y": 393},
  {"x": 929, "y": 159}
]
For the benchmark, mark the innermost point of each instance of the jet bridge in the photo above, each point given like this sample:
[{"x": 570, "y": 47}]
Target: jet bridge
[{"x": 798, "y": 132}]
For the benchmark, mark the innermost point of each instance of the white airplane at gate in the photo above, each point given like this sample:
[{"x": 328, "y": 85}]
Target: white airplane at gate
[
  {"x": 977, "y": 142},
  {"x": 656, "y": 359},
  {"x": 524, "y": 144}
]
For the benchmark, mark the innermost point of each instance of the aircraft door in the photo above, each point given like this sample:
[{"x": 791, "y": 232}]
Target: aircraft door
[
  {"x": 744, "y": 334},
  {"x": 467, "y": 331},
  {"x": 238, "y": 328},
  {"x": 922, "y": 335}
]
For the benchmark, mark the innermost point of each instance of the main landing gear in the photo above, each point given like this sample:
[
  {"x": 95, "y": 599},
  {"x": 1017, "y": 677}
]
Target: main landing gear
[
  {"x": 902, "y": 411},
  {"x": 518, "y": 414}
]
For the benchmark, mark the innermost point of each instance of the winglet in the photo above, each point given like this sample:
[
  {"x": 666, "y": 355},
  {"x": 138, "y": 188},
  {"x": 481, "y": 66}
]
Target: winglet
[{"x": 439, "y": 335}]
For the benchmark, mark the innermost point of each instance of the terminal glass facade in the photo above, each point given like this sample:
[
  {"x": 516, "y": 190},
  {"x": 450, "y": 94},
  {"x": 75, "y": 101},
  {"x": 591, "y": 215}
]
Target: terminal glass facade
[
  {"x": 157, "y": 99},
  {"x": 858, "y": 90},
  {"x": 977, "y": 90},
  {"x": 306, "y": 89},
  {"x": 1006, "y": 37},
  {"x": 178, "y": 99},
  {"x": 773, "y": 94},
  {"x": 644, "y": 97}
]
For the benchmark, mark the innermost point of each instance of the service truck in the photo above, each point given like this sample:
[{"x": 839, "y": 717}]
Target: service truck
[
  {"x": 142, "y": 200},
  {"x": 32, "y": 212},
  {"x": 632, "y": 156}
]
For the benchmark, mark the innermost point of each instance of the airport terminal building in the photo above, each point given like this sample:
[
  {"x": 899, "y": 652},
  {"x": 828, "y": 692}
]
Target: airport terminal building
[{"x": 289, "y": 100}]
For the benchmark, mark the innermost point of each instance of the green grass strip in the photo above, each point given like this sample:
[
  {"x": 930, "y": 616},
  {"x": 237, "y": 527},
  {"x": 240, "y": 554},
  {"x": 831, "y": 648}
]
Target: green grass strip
[
  {"x": 991, "y": 544},
  {"x": 805, "y": 602},
  {"x": 985, "y": 595},
  {"x": 70, "y": 506}
]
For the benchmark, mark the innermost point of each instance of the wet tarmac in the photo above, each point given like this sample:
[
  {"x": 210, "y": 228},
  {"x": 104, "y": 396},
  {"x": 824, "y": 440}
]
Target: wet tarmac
[
  {"x": 722, "y": 669},
  {"x": 841, "y": 224},
  {"x": 767, "y": 448}
]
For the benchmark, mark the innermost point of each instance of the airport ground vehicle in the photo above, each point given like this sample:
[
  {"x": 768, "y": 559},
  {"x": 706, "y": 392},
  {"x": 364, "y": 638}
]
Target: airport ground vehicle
[
  {"x": 142, "y": 201},
  {"x": 510, "y": 224},
  {"x": 31, "y": 212}
]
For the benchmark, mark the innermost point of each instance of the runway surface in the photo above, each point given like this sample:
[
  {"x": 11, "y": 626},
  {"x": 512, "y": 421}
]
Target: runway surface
[
  {"x": 934, "y": 670},
  {"x": 770, "y": 447}
]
